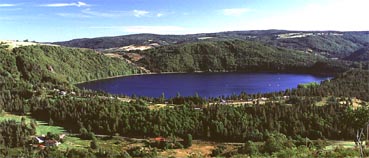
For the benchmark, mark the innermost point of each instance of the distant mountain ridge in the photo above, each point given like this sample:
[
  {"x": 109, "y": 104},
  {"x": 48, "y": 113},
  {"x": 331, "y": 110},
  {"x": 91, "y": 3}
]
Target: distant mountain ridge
[{"x": 332, "y": 44}]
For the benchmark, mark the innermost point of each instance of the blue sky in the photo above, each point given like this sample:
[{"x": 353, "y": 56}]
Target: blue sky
[{"x": 57, "y": 20}]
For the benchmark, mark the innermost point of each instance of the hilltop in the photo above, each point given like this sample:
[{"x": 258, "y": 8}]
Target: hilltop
[
  {"x": 11, "y": 44},
  {"x": 332, "y": 44}
]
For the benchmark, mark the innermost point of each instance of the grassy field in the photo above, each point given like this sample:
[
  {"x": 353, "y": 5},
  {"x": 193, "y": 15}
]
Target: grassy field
[{"x": 344, "y": 144}]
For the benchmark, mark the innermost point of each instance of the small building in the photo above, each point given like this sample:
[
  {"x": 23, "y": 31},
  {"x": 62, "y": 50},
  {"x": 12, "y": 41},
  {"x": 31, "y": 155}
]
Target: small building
[
  {"x": 40, "y": 139},
  {"x": 63, "y": 93},
  {"x": 159, "y": 139}
]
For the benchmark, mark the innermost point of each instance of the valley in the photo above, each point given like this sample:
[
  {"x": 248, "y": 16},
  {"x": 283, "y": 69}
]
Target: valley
[{"x": 304, "y": 120}]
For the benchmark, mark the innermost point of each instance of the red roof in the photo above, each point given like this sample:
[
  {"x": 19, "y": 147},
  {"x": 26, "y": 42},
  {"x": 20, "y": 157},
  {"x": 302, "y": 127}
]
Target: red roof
[{"x": 159, "y": 139}]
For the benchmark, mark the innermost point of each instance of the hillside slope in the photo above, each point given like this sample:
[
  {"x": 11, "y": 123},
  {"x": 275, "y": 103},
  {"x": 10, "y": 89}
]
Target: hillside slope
[
  {"x": 34, "y": 65},
  {"x": 235, "y": 55},
  {"x": 352, "y": 83},
  {"x": 120, "y": 41},
  {"x": 332, "y": 44},
  {"x": 359, "y": 55}
]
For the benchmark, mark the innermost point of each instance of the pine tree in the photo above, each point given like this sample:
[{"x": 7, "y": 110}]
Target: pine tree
[
  {"x": 51, "y": 122},
  {"x": 187, "y": 142},
  {"x": 93, "y": 144}
]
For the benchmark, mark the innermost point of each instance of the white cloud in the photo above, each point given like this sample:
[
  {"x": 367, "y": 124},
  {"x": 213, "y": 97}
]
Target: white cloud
[
  {"x": 140, "y": 13},
  {"x": 146, "y": 29},
  {"x": 73, "y": 15},
  {"x": 235, "y": 11},
  {"x": 77, "y": 4},
  {"x": 90, "y": 12},
  {"x": 7, "y": 5},
  {"x": 159, "y": 14}
]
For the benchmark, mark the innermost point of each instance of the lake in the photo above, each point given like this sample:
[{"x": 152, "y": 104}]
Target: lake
[{"x": 205, "y": 84}]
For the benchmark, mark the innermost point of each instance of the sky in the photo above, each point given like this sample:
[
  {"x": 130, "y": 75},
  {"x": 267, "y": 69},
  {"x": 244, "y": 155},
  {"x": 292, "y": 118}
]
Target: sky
[{"x": 59, "y": 20}]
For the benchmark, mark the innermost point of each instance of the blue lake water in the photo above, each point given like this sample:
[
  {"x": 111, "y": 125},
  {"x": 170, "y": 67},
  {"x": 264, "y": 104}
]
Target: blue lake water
[{"x": 205, "y": 84}]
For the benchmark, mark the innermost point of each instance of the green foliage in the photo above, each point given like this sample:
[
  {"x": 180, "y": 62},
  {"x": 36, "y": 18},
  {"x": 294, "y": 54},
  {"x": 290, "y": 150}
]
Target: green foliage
[
  {"x": 142, "y": 152},
  {"x": 218, "y": 151},
  {"x": 328, "y": 43},
  {"x": 13, "y": 134},
  {"x": 341, "y": 152},
  {"x": 187, "y": 141},
  {"x": 275, "y": 142},
  {"x": 84, "y": 134},
  {"x": 356, "y": 118},
  {"x": 359, "y": 55},
  {"x": 249, "y": 148},
  {"x": 45, "y": 63},
  {"x": 300, "y": 152},
  {"x": 93, "y": 144},
  {"x": 353, "y": 83},
  {"x": 234, "y": 55},
  {"x": 3, "y": 45},
  {"x": 309, "y": 85}
]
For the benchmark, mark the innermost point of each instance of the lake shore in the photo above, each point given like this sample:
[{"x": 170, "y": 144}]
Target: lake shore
[
  {"x": 207, "y": 84},
  {"x": 156, "y": 73},
  {"x": 127, "y": 75}
]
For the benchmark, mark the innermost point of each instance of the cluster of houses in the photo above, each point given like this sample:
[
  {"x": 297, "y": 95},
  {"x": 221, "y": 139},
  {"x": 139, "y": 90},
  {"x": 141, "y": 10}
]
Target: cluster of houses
[
  {"x": 63, "y": 93},
  {"x": 43, "y": 141}
]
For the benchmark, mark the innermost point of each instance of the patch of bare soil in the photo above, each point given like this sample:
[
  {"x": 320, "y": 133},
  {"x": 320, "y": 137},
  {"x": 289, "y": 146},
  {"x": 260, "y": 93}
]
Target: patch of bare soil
[{"x": 198, "y": 148}]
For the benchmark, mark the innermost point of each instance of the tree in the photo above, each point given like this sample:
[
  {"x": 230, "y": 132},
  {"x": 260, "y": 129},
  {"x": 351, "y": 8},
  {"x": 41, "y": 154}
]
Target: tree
[
  {"x": 275, "y": 142},
  {"x": 249, "y": 148},
  {"x": 51, "y": 122},
  {"x": 218, "y": 151},
  {"x": 3, "y": 45},
  {"x": 187, "y": 142},
  {"x": 84, "y": 134},
  {"x": 162, "y": 98},
  {"x": 93, "y": 144}
]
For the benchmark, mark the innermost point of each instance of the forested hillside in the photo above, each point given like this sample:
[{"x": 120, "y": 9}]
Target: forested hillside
[
  {"x": 33, "y": 70},
  {"x": 120, "y": 41},
  {"x": 353, "y": 83},
  {"x": 48, "y": 64},
  {"x": 359, "y": 55},
  {"x": 235, "y": 55},
  {"x": 331, "y": 44}
]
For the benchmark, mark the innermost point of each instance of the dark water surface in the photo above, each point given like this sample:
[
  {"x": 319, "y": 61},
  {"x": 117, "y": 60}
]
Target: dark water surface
[{"x": 205, "y": 84}]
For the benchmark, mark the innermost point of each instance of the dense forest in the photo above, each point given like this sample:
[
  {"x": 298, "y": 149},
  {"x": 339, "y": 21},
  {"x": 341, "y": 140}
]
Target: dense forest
[
  {"x": 236, "y": 55},
  {"x": 359, "y": 55},
  {"x": 217, "y": 122},
  {"x": 349, "y": 84},
  {"x": 13, "y": 134},
  {"x": 26, "y": 69}
]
